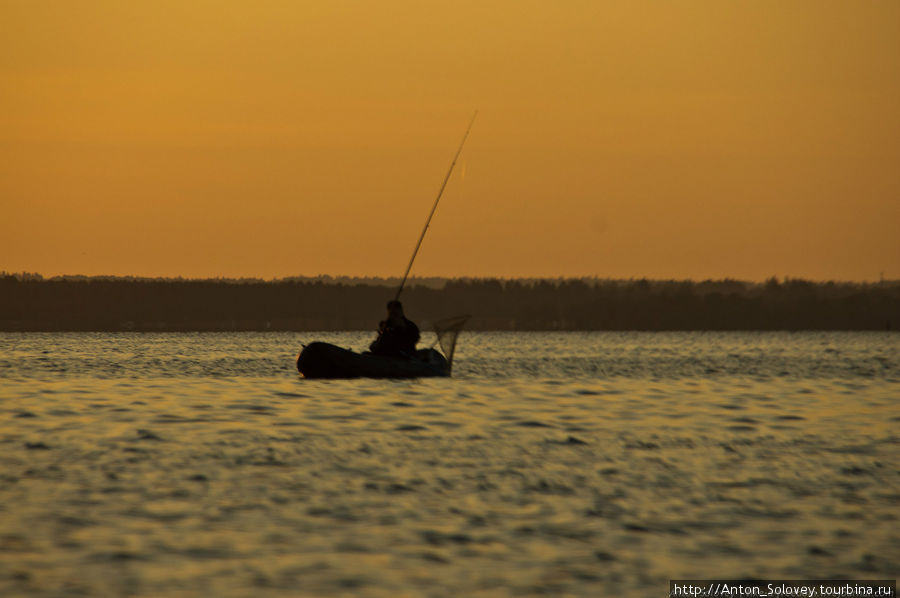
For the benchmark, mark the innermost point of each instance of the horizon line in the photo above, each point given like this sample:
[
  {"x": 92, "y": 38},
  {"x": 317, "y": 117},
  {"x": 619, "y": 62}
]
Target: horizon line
[{"x": 389, "y": 280}]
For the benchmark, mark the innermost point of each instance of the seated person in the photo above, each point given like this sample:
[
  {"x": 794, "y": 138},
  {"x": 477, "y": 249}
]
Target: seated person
[{"x": 397, "y": 335}]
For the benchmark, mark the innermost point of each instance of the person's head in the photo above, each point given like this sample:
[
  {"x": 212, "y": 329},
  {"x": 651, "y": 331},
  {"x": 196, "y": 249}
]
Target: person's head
[{"x": 395, "y": 308}]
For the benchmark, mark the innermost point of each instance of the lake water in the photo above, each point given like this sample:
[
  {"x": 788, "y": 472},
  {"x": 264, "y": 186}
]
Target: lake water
[{"x": 572, "y": 464}]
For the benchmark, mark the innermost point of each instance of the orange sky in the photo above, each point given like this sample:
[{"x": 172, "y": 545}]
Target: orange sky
[{"x": 684, "y": 139}]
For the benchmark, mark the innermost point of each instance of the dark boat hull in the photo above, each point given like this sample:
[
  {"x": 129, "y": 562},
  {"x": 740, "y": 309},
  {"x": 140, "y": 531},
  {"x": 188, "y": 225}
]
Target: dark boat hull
[{"x": 324, "y": 360}]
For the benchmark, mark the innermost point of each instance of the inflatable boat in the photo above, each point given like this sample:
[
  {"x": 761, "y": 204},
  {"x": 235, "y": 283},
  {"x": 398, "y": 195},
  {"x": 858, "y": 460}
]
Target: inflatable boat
[{"x": 324, "y": 360}]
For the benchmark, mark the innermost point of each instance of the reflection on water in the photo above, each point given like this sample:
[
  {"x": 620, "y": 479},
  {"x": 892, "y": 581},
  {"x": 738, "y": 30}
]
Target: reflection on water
[{"x": 555, "y": 464}]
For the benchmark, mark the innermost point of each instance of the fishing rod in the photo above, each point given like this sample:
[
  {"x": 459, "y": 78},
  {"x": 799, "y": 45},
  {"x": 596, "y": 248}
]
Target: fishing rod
[{"x": 433, "y": 208}]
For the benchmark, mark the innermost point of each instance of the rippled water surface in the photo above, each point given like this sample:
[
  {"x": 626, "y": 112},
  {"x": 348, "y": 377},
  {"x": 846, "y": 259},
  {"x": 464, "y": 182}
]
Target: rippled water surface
[{"x": 582, "y": 464}]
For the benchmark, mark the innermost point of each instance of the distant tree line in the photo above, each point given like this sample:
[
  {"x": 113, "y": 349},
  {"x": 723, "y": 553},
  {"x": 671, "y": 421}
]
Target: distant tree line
[{"x": 30, "y": 303}]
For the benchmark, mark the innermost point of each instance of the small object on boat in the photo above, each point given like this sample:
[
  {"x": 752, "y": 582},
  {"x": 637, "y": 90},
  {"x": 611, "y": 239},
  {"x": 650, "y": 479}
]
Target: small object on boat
[{"x": 324, "y": 360}]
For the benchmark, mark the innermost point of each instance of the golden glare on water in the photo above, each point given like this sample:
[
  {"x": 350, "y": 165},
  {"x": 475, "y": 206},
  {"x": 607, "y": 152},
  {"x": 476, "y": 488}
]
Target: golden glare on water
[
  {"x": 563, "y": 464},
  {"x": 691, "y": 139}
]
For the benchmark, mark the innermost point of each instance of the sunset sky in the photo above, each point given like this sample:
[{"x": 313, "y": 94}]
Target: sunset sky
[{"x": 678, "y": 139}]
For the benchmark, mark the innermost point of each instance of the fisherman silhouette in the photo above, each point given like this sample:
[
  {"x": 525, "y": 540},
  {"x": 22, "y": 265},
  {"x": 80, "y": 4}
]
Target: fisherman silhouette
[{"x": 397, "y": 335}]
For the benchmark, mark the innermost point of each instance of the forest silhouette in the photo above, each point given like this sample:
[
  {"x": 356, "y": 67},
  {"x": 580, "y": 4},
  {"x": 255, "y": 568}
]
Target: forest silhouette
[{"x": 28, "y": 302}]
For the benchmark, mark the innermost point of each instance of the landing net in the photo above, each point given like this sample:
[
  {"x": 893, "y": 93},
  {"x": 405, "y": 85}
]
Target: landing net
[{"x": 447, "y": 331}]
